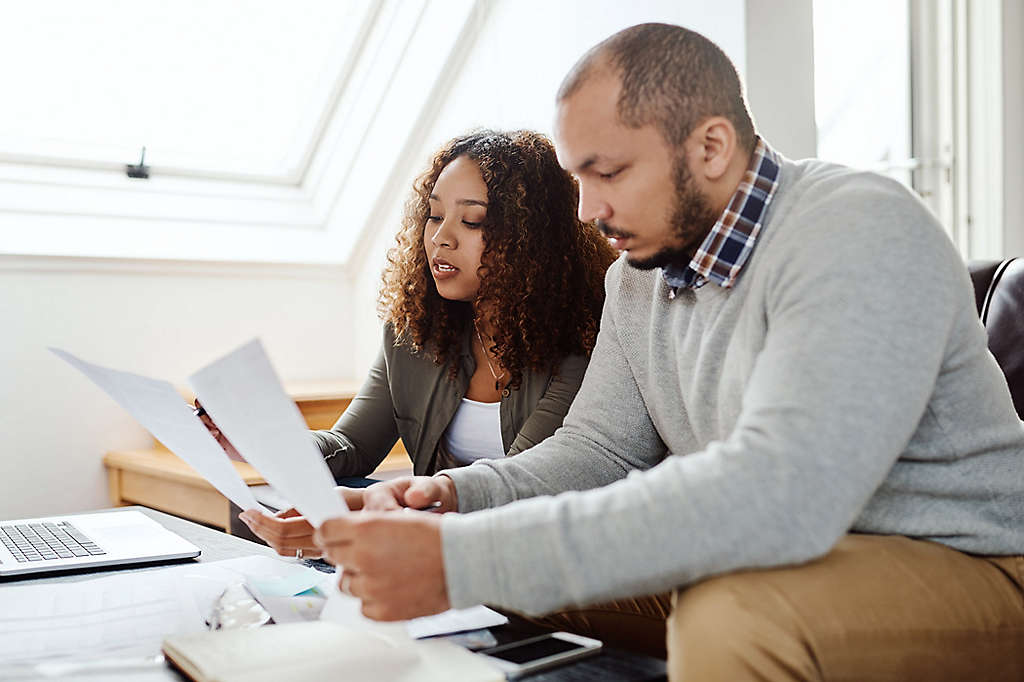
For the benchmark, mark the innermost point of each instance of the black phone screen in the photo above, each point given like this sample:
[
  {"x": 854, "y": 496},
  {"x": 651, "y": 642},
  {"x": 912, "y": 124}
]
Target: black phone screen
[{"x": 531, "y": 651}]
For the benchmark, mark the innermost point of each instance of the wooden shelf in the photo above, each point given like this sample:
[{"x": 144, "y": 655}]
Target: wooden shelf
[{"x": 158, "y": 479}]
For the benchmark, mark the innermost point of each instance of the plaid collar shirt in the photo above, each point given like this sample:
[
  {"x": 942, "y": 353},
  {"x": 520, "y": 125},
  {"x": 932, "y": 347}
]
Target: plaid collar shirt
[{"x": 728, "y": 246}]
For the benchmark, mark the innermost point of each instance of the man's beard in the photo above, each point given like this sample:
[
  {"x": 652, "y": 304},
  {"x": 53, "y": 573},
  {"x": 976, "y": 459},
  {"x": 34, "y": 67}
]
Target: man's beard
[{"x": 692, "y": 218}]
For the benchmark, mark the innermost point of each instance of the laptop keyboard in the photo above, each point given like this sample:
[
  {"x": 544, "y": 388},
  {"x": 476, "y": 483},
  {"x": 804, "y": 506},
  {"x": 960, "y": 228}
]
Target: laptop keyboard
[{"x": 43, "y": 541}]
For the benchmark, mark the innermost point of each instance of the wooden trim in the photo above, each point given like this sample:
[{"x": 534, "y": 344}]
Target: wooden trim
[{"x": 171, "y": 468}]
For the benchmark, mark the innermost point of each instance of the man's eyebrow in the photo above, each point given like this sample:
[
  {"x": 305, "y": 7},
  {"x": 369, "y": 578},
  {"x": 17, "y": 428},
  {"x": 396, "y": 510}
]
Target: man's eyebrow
[{"x": 590, "y": 161}]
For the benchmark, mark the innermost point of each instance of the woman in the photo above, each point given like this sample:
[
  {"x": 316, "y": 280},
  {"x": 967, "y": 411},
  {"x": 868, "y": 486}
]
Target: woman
[{"x": 491, "y": 300}]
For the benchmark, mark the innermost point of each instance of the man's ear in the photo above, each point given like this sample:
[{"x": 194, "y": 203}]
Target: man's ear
[{"x": 716, "y": 144}]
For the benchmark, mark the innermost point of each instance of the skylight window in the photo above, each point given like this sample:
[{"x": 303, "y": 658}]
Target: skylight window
[{"x": 211, "y": 88}]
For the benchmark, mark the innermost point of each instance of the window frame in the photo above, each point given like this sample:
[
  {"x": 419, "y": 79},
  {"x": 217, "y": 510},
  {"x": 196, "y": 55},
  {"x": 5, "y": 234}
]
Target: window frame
[
  {"x": 957, "y": 90},
  {"x": 72, "y": 210}
]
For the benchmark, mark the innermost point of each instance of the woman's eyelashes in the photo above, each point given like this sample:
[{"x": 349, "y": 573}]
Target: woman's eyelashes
[{"x": 468, "y": 223}]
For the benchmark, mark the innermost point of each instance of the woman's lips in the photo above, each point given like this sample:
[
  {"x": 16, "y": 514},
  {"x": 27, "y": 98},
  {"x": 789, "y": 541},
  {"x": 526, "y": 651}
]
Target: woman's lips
[{"x": 443, "y": 270}]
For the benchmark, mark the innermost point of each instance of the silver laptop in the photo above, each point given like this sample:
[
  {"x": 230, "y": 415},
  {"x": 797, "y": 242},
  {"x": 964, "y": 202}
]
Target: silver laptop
[{"x": 82, "y": 541}]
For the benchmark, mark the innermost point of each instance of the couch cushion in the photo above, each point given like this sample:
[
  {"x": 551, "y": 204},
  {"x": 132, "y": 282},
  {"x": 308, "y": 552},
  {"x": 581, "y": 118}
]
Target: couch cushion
[{"x": 999, "y": 291}]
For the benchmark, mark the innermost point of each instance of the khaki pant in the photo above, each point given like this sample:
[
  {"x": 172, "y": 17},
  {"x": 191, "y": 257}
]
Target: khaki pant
[{"x": 874, "y": 608}]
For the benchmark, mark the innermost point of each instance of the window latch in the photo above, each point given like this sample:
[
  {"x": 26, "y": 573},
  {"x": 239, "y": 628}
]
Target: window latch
[{"x": 140, "y": 170}]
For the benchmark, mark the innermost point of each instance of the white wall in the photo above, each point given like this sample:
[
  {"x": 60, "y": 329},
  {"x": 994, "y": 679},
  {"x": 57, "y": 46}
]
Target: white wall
[
  {"x": 162, "y": 320},
  {"x": 527, "y": 46},
  {"x": 780, "y": 74}
]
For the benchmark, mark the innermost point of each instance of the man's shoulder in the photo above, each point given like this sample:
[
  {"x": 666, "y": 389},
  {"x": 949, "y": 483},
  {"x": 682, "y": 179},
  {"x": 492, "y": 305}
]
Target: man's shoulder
[
  {"x": 832, "y": 205},
  {"x": 815, "y": 185},
  {"x": 860, "y": 228}
]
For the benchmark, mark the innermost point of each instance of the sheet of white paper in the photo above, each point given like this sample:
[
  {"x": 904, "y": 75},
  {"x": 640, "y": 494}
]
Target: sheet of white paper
[
  {"x": 346, "y": 610},
  {"x": 160, "y": 409},
  {"x": 206, "y": 580},
  {"x": 126, "y": 615},
  {"x": 244, "y": 396},
  {"x": 454, "y": 620}
]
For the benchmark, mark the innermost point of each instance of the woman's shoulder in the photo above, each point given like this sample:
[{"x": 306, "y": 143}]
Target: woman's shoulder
[
  {"x": 395, "y": 347},
  {"x": 401, "y": 353}
]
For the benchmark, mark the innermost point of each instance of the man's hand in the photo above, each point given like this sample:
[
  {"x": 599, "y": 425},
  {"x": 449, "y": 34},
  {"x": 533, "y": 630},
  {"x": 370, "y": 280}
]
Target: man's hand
[
  {"x": 415, "y": 492},
  {"x": 392, "y": 562}
]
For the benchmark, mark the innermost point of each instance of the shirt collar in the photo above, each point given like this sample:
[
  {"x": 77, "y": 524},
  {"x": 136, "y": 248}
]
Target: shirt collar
[{"x": 725, "y": 250}]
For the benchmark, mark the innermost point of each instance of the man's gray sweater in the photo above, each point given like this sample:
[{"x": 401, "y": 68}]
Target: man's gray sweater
[{"x": 843, "y": 383}]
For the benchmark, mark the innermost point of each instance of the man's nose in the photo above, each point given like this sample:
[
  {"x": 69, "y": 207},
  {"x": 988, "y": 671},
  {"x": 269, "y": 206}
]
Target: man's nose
[{"x": 592, "y": 205}]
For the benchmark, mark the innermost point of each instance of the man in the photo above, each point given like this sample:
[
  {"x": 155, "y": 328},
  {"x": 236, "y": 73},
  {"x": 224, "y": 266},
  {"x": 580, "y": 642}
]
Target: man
[{"x": 791, "y": 417}]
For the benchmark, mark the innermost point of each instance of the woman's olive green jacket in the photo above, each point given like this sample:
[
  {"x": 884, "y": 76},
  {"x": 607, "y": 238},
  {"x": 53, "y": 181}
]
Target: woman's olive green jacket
[{"x": 407, "y": 395}]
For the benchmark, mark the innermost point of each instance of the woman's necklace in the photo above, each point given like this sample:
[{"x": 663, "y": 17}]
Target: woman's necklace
[{"x": 487, "y": 359}]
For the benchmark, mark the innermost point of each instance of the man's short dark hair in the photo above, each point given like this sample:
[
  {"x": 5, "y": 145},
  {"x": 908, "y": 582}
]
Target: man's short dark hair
[{"x": 672, "y": 77}]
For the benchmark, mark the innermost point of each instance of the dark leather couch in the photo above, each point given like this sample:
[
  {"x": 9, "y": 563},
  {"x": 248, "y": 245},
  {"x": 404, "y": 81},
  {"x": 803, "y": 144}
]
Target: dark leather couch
[{"x": 999, "y": 293}]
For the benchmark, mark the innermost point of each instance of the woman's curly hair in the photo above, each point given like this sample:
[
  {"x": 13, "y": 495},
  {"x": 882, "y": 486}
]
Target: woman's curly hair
[{"x": 542, "y": 270}]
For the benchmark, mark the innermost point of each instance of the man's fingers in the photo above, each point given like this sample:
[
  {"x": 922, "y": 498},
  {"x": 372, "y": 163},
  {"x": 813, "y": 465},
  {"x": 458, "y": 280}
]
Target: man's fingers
[
  {"x": 350, "y": 583},
  {"x": 386, "y": 496},
  {"x": 435, "y": 492},
  {"x": 353, "y": 497},
  {"x": 422, "y": 494},
  {"x": 334, "y": 532}
]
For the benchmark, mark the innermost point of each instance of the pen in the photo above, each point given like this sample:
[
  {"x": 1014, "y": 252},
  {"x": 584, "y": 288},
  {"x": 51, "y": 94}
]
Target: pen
[{"x": 199, "y": 411}]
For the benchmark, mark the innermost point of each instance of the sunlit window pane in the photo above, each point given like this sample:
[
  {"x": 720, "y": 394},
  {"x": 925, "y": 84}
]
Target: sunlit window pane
[
  {"x": 862, "y": 84},
  {"x": 220, "y": 85}
]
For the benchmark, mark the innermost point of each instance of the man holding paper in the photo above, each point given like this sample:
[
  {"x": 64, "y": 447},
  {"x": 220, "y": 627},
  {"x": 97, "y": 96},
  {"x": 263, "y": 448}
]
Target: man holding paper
[{"x": 791, "y": 417}]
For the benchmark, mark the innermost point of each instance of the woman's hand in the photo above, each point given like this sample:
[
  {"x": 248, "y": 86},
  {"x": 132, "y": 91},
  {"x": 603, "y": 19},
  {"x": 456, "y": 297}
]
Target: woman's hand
[
  {"x": 286, "y": 532},
  {"x": 433, "y": 493},
  {"x": 215, "y": 432}
]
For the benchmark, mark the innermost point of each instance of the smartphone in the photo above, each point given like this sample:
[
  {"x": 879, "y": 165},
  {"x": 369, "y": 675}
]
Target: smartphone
[{"x": 536, "y": 653}]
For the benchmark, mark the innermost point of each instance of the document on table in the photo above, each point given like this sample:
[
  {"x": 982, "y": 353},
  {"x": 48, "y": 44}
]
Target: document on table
[
  {"x": 122, "y": 617},
  {"x": 346, "y": 610},
  {"x": 125, "y": 615},
  {"x": 244, "y": 397},
  {"x": 270, "y": 576},
  {"x": 161, "y": 410}
]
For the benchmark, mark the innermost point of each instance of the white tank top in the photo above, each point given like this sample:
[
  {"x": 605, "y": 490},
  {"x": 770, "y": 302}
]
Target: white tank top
[{"x": 475, "y": 432}]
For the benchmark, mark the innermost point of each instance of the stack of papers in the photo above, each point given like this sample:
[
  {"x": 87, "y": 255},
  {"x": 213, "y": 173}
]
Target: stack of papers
[{"x": 128, "y": 615}]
